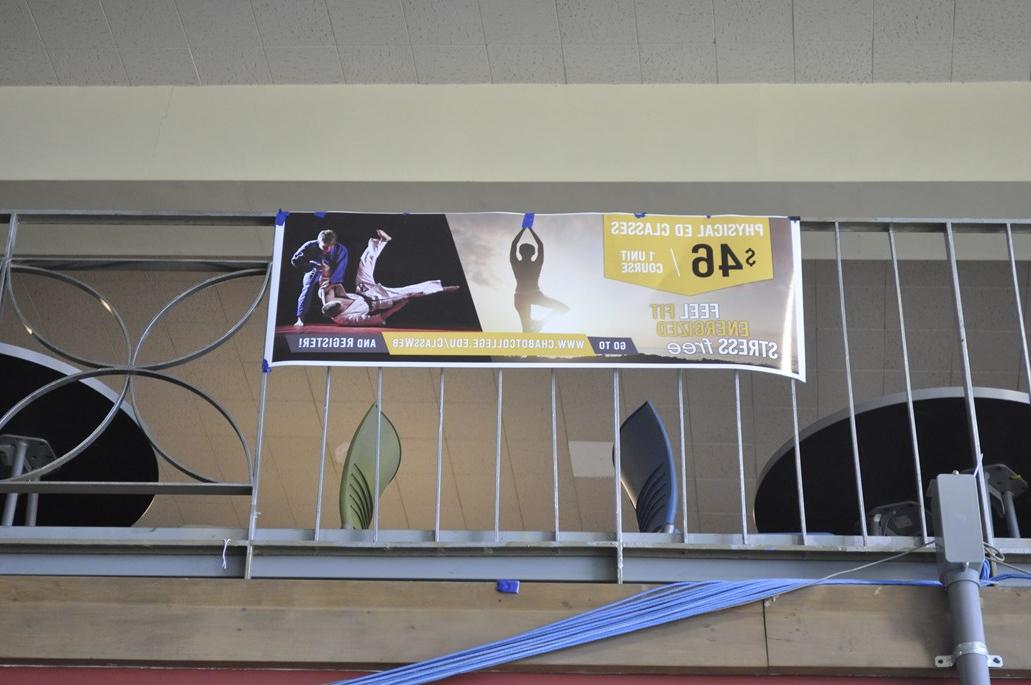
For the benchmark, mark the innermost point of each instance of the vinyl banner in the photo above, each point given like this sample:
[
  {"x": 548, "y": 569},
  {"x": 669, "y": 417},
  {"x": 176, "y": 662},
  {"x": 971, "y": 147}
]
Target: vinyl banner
[{"x": 498, "y": 289}]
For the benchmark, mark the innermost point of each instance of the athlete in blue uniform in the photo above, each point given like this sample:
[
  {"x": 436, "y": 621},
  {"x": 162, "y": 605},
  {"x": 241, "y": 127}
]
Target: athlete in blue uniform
[{"x": 327, "y": 260}]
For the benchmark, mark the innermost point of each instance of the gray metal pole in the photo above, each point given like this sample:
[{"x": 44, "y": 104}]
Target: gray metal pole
[
  {"x": 683, "y": 453},
  {"x": 909, "y": 385},
  {"x": 968, "y": 391},
  {"x": 440, "y": 458},
  {"x": 252, "y": 521},
  {"x": 971, "y": 655},
  {"x": 11, "y": 501},
  {"x": 740, "y": 458},
  {"x": 5, "y": 263},
  {"x": 1012, "y": 526},
  {"x": 554, "y": 452},
  {"x": 497, "y": 461},
  {"x": 617, "y": 466},
  {"x": 1020, "y": 307},
  {"x": 798, "y": 464},
  {"x": 322, "y": 453},
  {"x": 379, "y": 441},
  {"x": 848, "y": 382},
  {"x": 31, "y": 508}
]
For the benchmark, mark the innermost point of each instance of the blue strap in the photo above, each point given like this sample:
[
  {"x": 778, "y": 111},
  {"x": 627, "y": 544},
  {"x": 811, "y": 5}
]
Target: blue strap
[{"x": 528, "y": 220}]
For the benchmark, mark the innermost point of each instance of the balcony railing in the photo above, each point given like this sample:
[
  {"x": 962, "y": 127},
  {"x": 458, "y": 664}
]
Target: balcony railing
[{"x": 506, "y": 473}]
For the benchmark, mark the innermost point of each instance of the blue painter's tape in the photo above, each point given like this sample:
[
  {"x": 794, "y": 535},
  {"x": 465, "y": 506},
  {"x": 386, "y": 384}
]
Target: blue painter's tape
[
  {"x": 281, "y": 217},
  {"x": 265, "y": 368},
  {"x": 510, "y": 587},
  {"x": 639, "y": 215},
  {"x": 320, "y": 215},
  {"x": 528, "y": 220}
]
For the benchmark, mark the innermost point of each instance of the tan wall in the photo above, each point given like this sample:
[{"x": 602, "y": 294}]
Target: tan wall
[{"x": 522, "y": 133}]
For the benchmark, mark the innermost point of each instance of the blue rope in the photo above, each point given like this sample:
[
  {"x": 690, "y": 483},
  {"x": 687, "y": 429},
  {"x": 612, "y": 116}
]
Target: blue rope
[{"x": 654, "y": 607}]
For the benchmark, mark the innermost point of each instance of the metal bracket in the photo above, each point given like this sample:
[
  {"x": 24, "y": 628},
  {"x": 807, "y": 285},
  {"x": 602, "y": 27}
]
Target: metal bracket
[{"x": 964, "y": 648}]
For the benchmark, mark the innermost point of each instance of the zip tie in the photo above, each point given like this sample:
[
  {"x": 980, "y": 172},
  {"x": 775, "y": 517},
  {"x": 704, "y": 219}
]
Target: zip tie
[
  {"x": 265, "y": 367},
  {"x": 225, "y": 546}
]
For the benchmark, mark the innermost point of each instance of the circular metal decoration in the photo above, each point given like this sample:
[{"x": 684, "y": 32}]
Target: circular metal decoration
[
  {"x": 122, "y": 453},
  {"x": 886, "y": 458}
]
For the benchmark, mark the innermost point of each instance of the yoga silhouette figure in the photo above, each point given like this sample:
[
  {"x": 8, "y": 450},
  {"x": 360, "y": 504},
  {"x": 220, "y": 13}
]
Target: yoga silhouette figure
[{"x": 527, "y": 262}]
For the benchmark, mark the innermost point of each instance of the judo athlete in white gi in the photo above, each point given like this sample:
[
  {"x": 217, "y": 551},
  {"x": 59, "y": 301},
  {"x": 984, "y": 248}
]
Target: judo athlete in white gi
[{"x": 374, "y": 302}]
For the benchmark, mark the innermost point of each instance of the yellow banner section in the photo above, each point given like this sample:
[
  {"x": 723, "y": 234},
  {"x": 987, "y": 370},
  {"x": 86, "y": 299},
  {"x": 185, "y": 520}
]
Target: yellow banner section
[
  {"x": 687, "y": 255},
  {"x": 488, "y": 344}
]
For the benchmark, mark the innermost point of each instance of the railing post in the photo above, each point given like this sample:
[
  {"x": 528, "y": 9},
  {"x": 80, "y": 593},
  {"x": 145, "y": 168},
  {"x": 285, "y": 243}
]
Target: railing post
[
  {"x": 252, "y": 523},
  {"x": 909, "y": 385},
  {"x": 848, "y": 380},
  {"x": 968, "y": 390},
  {"x": 322, "y": 454},
  {"x": 440, "y": 458},
  {"x": 617, "y": 466},
  {"x": 5, "y": 263}
]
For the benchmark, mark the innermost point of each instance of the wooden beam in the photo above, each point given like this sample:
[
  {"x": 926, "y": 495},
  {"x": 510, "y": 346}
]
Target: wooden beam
[{"x": 864, "y": 630}]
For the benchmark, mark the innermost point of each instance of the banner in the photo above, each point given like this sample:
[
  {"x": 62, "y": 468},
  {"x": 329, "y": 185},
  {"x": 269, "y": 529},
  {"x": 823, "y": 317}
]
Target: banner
[{"x": 499, "y": 289}]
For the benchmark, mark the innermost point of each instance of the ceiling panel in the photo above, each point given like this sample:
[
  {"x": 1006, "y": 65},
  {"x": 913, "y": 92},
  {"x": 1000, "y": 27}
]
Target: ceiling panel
[
  {"x": 368, "y": 22},
  {"x": 160, "y": 67},
  {"x": 754, "y": 41},
  {"x": 301, "y": 23},
  {"x": 17, "y": 30},
  {"x": 145, "y": 23},
  {"x": 219, "y": 22},
  {"x": 71, "y": 24},
  {"x": 378, "y": 64},
  {"x": 304, "y": 64},
  {"x": 530, "y": 22},
  {"x": 531, "y": 41},
  {"x": 443, "y": 22},
  {"x": 833, "y": 41},
  {"x": 913, "y": 40}
]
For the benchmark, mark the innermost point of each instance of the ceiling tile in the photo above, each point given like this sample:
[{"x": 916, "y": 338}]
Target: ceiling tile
[
  {"x": 17, "y": 29},
  {"x": 833, "y": 41},
  {"x": 231, "y": 65},
  {"x": 89, "y": 67},
  {"x": 677, "y": 63},
  {"x": 145, "y": 23},
  {"x": 377, "y": 63},
  {"x": 219, "y": 23},
  {"x": 913, "y": 40},
  {"x": 597, "y": 21},
  {"x": 992, "y": 41},
  {"x": 529, "y": 22},
  {"x": 26, "y": 66},
  {"x": 304, "y": 65},
  {"x": 991, "y": 20},
  {"x": 526, "y": 63},
  {"x": 368, "y": 22},
  {"x": 675, "y": 21},
  {"x": 160, "y": 67},
  {"x": 754, "y": 41},
  {"x": 605, "y": 63},
  {"x": 443, "y": 23},
  {"x": 451, "y": 64},
  {"x": 297, "y": 23},
  {"x": 69, "y": 24}
]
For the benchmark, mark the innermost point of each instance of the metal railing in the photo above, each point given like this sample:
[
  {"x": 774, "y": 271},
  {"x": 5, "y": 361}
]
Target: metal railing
[{"x": 558, "y": 554}]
